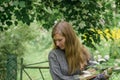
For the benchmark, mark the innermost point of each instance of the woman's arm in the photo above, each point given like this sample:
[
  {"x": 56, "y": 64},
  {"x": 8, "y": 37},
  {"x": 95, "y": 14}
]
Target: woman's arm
[{"x": 55, "y": 69}]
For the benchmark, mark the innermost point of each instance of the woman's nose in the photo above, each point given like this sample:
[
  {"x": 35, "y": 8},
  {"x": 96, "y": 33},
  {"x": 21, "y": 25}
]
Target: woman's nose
[{"x": 57, "y": 43}]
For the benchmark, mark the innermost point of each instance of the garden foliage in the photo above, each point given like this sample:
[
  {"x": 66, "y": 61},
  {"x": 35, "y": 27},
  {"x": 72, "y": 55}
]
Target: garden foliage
[{"x": 83, "y": 14}]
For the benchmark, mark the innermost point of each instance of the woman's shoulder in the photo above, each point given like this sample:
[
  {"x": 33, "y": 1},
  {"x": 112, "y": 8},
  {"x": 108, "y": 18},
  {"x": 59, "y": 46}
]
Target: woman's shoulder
[{"x": 54, "y": 52}]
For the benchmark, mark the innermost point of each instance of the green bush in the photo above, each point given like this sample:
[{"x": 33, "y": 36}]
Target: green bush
[
  {"x": 12, "y": 40},
  {"x": 115, "y": 49}
]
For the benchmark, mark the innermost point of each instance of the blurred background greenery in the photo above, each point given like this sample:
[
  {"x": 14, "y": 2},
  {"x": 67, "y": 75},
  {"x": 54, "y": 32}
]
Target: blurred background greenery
[{"x": 25, "y": 30}]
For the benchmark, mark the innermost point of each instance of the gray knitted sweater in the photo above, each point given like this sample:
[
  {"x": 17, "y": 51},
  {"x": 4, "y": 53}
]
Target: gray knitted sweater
[{"x": 59, "y": 67}]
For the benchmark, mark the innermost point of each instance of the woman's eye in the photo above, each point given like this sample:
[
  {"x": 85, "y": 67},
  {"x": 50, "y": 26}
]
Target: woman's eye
[{"x": 60, "y": 40}]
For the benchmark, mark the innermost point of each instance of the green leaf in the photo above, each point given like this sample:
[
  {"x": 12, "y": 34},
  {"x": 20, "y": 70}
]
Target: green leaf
[
  {"x": 9, "y": 23},
  {"x": 48, "y": 10},
  {"x": 86, "y": 1},
  {"x": 22, "y": 4},
  {"x": 16, "y": 3}
]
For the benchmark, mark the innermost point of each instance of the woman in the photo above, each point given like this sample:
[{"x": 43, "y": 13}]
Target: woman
[{"x": 69, "y": 57}]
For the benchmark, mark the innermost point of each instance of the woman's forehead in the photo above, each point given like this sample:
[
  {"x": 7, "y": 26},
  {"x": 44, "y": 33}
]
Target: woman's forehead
[{"x": 58, "y": 36}]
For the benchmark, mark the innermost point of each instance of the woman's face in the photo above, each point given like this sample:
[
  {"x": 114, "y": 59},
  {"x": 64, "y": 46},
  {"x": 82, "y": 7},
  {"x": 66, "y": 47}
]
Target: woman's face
[{"x": 59, "y": 41}]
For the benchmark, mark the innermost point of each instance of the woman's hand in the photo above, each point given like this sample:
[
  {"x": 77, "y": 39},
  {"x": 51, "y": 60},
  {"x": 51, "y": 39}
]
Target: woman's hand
[{"x": 88, "y": 74}]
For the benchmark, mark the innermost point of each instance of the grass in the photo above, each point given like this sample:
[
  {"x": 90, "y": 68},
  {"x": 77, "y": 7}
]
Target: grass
[
  {"x": 36, "y": 52},
  {"x": 34, "y": 56}
]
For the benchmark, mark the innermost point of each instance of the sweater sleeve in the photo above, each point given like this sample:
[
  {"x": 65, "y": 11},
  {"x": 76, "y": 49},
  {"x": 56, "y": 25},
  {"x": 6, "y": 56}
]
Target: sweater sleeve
[{"x": 56, "y": 71}]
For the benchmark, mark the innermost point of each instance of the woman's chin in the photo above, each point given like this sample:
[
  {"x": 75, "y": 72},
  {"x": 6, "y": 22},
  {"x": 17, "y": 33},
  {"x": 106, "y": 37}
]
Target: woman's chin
[{"x": 62, "y": 48}]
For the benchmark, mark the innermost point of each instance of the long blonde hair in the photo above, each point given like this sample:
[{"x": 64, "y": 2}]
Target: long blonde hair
[{"x": 75, "y": 53}]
